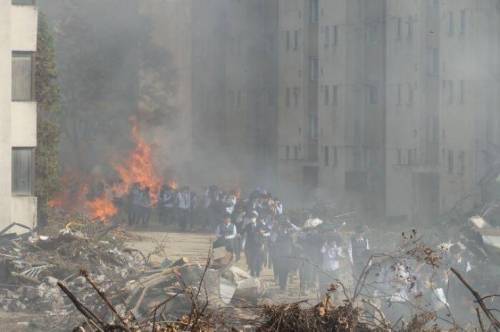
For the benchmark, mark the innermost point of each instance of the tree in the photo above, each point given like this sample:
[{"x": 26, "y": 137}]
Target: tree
[{"x": 47, "y": 95}]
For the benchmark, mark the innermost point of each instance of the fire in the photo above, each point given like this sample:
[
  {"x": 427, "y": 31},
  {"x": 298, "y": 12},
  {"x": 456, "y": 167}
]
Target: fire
[
  {"x": 74, "y": 195},
  {"x": 138, "y": 168},
  {"x": 173, "y": 184},
  {"x": 101, "y": 208}
]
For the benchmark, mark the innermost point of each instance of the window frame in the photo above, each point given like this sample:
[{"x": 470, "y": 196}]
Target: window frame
[
  {"x": 33, "y": 3},
  {"x": 18, "y": 193},
  {"x": 33, "y": 75}
]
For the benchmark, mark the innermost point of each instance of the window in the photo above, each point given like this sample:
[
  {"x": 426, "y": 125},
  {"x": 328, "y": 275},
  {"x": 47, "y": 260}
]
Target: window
[
  {"x": 399, "y": 95},
  {"x": 434, "y": 61},
  {"x": 335, "y": 95},
  {"x": 23, "y": 2},
  {"x": 288, "y": 40},
  {"x": 296, "y": 93},
  {"x": 451, "y": 94},
  {"x": 296, "y": 152},
  {"x": 462, "y": 22},
  {"x": 461, "y": 162},
  {"x": 451, "y": 161},
  {"x": 398, "y": 28},
  {"x": 327, "y": 36},
  {"x": 399, "y": 157},
  {"x": 335, "y": 35},
  {"x": 372, "y": 33},
  {"x": 313, "y": 68},
  {"x": 296, "y": 40},
  {"x": 451, "y": 24},
  {"x": 22, "y": 76},
  {"x": 238, "y": 99},
  {"x": 314, "y": 11},
  {"x": 372, "y": 94},
  {"x": 335, "y": 156},
  {"x": 287, "y": 97},
  {"x": 462, "y": 91},
  {"x": 410, "y": 28},
  {"x": 287, "y": 152},
  {"x": 22, "y": 171},
  {"x": 327, "y": 156},
  {"x": 231, "y": 98},
  {"x": 270, "y": 98},
  {"x": 313, "y": 125},
  {"x": 326, "y": 89},
  {"x": 410, "y": 95}
]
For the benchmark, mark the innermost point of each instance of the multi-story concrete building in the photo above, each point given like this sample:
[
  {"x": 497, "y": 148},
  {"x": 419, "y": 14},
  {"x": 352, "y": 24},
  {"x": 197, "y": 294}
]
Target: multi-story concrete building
[
  {"x": 18, "y": 37},
  {"x": 442, "y": 99},
  {"x": 389, "y": 106},
  {"x": 331, "y": 100}
]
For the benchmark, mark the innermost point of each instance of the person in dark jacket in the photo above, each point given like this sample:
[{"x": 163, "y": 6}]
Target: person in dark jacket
[
  {"x": 282, "y": 249},
  {"x": 254, "y": 237}
]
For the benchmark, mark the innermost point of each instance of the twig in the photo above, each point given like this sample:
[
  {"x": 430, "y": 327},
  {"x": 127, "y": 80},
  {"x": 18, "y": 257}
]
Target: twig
[
  {"x": 85, "y": 274},
  {"x": 82, "y": 308},
  {"x": 481, "y": 325},
  {"x": 487, "y": 312}
]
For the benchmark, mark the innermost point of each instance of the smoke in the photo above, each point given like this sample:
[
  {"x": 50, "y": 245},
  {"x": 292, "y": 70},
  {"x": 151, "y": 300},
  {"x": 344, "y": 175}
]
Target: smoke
[{"x": 201, "y": 84}]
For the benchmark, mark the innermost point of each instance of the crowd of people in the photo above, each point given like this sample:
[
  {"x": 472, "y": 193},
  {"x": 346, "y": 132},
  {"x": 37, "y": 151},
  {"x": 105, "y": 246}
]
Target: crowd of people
[{"x": 318, "y": 252}]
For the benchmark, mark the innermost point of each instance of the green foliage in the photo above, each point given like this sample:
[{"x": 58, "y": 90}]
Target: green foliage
[{"x": 47, "y": 95}]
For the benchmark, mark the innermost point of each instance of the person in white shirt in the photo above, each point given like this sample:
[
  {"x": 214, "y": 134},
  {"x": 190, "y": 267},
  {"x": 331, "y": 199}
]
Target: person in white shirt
[
  {"x": 225, "y": 233},
  {"x": 184, "y": 208},
  {"x": 331, "y": 254}
]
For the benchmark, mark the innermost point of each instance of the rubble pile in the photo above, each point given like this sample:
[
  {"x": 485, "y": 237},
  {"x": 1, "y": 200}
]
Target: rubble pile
[
  {"x": 32, "y": 265},
  {"x": 89, "y": 273},
  {"x": 323, "y": 317}
]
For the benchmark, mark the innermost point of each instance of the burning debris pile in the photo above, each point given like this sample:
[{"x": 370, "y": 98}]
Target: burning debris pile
[{"x": 100, "y": 198}]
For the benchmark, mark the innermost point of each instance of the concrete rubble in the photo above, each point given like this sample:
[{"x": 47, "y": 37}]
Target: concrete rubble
[{"x": 34, "y": 269}]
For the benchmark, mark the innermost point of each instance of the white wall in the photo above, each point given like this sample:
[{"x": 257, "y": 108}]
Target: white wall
[
  {"x": 5, "y": 88},
  {"x": 18, "y": 27}
]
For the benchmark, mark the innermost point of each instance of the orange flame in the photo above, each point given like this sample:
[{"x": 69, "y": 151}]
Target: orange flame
[
  {"x": 139, "y": 168},
  {"x": 101, "y": 208},
  {"x": 173, "y": 184}
]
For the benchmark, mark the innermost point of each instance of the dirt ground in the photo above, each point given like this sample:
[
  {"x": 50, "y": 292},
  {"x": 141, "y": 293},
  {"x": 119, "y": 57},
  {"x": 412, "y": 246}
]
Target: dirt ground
[{"x": 195, "y": 247}]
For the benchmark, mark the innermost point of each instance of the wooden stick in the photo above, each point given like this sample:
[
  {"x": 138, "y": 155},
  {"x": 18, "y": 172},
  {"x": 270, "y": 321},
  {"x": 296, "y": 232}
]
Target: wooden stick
[
  {"x": 85, "y": 274},
  {"x": 82, "y": 308}
]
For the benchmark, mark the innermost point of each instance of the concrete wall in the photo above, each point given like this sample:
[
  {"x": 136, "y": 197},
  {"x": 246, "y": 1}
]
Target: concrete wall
[
  {"x": 5, "y": 114},
  {"x": 18, "y": 27}
]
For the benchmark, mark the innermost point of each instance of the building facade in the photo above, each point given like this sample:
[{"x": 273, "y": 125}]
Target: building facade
[
  {"x": 389, "y": 107},
  {"x": 332, "y": 101},
  {"x": 18, "y": 38},
  {"x": 442, "y": 104}
]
